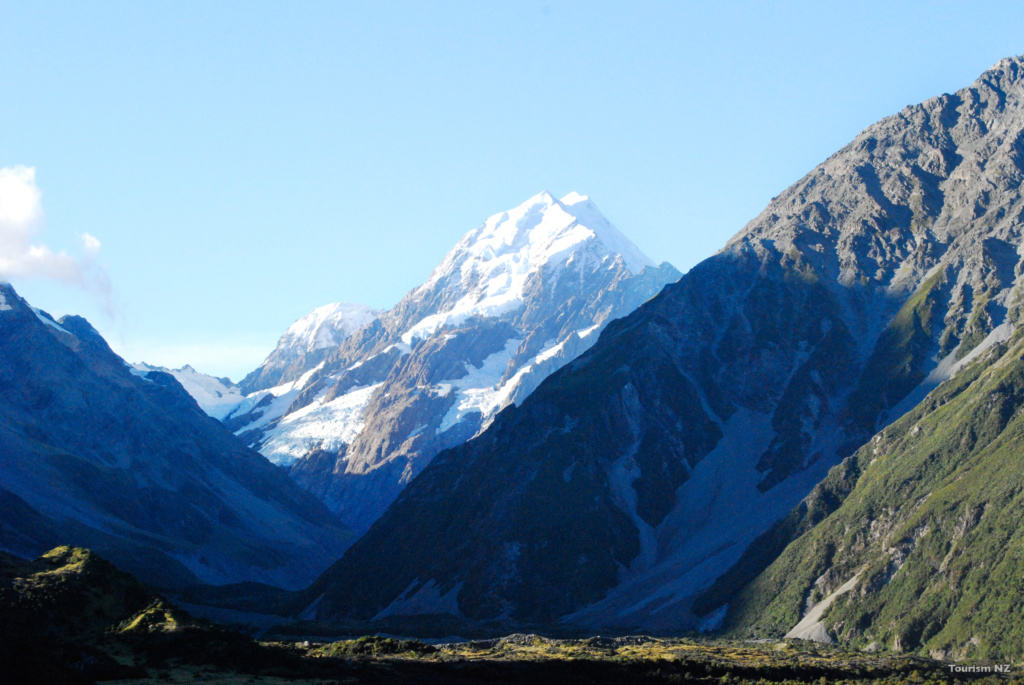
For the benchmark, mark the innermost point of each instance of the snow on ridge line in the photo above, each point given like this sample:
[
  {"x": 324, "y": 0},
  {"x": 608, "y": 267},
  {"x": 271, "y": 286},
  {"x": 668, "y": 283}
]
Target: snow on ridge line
[
  {"x": 462, "y": 310},
  {"x": 586, "y": 212},
  {"x": 44, "y": 317},
  {"x": 213, "y": 396}
]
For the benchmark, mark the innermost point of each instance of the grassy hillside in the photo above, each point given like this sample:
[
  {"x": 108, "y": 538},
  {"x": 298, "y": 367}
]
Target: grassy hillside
[{"x": 930, "y": 528}]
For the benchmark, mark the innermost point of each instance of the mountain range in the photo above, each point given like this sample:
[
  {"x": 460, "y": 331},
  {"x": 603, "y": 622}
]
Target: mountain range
[{"x": 642, "y": 486}]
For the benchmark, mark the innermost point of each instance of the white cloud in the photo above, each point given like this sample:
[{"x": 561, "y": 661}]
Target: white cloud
[
  {"x": 20, "y": 198},
  {"x": 21, "y": 219},
  {"x": 91, "y": 243}
]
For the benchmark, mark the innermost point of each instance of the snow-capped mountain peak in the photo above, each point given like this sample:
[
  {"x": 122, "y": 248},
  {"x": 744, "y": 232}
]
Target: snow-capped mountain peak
[
  {"x": 327, "y": 326},
  {"x": 535, "y": 233},
  {"x": 587, "y": 214},
  {"x": 514, "y": 300},
  {"x": 487, "y": 272}
]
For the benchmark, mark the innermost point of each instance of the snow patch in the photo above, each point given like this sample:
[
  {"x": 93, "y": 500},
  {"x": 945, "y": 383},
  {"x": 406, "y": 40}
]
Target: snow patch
[
  {"x": 416, "y": 431},
  {"x": 319, "y": 425},
  {"x": 137, "y": 370},
  {"x": 478, "y": 390},
  {"x": 404, "y": 348},
  {"x": 213, "y": 395},
  {"x": 550, "y": 352}
]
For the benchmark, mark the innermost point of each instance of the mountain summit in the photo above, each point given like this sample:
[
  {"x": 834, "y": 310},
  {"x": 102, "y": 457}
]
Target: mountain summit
[
  {"x": 487, "y": 272},
  {"x": 513, "y": 301}
]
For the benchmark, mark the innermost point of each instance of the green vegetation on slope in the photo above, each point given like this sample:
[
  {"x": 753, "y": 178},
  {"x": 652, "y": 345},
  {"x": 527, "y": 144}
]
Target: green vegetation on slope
[
  {"x": 978, "y": 326},
  {"x": 896, "y": 366},
  {"x": 931, "y": 526}
]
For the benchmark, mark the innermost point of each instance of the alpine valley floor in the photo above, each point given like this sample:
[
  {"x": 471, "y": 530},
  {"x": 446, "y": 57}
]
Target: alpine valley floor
[
  {"x": 529, "y": 658},
  {"x": 72, "y": 617}
]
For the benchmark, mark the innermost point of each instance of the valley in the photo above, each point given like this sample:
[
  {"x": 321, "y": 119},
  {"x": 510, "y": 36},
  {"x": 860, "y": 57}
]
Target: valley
[{"x": 559, "y": 459}]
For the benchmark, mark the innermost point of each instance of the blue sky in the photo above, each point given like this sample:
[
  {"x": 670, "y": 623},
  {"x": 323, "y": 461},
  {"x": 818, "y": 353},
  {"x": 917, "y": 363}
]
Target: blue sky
[{"x": 236, "y": 164}]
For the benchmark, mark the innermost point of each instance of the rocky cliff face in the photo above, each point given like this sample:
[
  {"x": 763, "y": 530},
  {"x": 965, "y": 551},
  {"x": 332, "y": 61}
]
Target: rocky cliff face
[
  {"x": 515, "y": 300},
  {"x": 635, "y": 477},
  {"x": 93, "y": 453}
]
